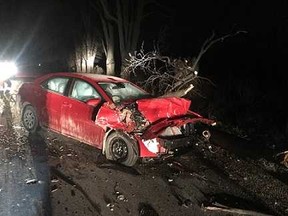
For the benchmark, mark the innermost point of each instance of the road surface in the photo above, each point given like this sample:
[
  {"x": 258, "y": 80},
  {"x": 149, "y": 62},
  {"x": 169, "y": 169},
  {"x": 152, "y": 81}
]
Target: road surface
[{"x": 24, "y": 173}]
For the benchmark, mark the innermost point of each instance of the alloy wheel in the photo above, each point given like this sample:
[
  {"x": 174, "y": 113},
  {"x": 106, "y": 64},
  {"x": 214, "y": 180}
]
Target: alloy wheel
[
  {"x": 29, "y": 119},
  {"x": 119, "y": 149}
]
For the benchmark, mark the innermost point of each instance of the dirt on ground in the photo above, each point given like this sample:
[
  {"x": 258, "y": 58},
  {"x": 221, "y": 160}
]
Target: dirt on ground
[
  {"x": 205, "y": 179},
  {"x": 226, "y": 176}
]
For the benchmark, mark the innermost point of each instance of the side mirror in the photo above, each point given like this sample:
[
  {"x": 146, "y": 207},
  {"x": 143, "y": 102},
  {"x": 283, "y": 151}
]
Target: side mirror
[{"x": 93, "y": 102}]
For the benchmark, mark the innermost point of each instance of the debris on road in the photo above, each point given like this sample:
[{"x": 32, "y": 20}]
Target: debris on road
[{"x": 31, "y": 181}]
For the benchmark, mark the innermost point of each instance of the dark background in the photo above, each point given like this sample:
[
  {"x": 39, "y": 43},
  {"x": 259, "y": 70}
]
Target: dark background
[
  {"x": 34, "y": 27},
  {"x": 248, "y": 69}
]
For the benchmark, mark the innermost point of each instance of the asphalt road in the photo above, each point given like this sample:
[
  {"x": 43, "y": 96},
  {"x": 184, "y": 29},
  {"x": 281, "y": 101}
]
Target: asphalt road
[{"x": 24, "y": 174}]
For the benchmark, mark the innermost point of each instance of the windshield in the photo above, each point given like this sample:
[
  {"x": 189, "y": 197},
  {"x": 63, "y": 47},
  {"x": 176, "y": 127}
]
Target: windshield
[{"x": 123, "y": 91}]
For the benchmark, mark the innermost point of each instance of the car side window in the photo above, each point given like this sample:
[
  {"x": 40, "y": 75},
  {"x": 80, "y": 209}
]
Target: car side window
[
  {"x": 57, "y": 84},
  {"x": 83, "y": 91}
]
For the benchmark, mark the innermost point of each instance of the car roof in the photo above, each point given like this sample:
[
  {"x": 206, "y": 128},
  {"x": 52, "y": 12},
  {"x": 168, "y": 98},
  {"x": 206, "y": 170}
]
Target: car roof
[{"x": 94, "y": 77}]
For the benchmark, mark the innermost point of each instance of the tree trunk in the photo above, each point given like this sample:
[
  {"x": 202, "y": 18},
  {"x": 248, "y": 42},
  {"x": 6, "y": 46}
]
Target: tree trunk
[
  {"x": 110, "y": 63},
  {"x": 129, "y": 16}
]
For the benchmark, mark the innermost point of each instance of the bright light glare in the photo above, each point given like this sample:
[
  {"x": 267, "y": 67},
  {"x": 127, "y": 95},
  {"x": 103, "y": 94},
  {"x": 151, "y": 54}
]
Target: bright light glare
[
  {"x": 90, "y": 61},
  {"x": 7, "y": 70}
]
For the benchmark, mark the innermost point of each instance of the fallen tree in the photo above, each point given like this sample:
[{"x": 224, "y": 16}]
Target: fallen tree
[{"x": 168, "y": 76}]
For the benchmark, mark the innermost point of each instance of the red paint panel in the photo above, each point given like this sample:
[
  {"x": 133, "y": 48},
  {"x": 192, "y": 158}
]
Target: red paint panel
[
  {"x": 144, "y": 152},
  {"x": 77, "y": 122},
  {"x": 159, "y": 108},
  {"x": 108, "y": 117}
]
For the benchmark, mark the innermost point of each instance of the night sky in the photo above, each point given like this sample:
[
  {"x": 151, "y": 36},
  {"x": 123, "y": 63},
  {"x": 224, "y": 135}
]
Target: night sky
[
  {"x": 47, "y": 28},
  {"x": 262, "y": 49},
  {"x": 257, "y": 59}
]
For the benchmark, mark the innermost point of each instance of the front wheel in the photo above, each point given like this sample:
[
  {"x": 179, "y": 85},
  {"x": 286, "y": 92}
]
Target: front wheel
[
  {"x": 121, "y": 148},
  {"x": 29, "y": 119}
]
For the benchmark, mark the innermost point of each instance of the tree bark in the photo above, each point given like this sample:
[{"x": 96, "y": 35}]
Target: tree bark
[{"x": 110, "y": 63}]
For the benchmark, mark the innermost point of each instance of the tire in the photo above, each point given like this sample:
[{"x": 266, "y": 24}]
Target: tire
[
  {"x": 121, "y": 148},
  {"x": 30, "y": 119}
]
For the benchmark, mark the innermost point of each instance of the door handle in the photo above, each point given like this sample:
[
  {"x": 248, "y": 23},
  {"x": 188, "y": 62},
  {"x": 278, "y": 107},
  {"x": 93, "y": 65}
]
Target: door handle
[{"x": 66, "y": 104}]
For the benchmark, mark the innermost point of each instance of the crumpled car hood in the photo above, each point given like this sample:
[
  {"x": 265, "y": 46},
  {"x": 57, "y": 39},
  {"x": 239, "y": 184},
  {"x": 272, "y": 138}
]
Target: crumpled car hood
[
  {"x": 148, "y": 115},
  {"x": 159, "y": 108}
]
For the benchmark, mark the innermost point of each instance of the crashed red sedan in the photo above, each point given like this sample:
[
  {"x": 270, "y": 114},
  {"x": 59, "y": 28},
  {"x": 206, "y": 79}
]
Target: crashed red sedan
[{"x": 110, "y": 113}]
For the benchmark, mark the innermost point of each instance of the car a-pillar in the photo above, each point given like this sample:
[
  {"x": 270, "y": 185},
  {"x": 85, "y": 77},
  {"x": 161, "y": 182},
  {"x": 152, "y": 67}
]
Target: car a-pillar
[{"x": 120, "y": 147}]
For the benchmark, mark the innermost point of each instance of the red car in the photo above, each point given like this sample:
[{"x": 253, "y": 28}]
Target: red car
[{"x": 110, "y": 113}]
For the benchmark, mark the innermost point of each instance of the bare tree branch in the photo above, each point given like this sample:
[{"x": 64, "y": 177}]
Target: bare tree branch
[
  {"x": 170, "y": 76},
  {"x": 206, "y": 45}
]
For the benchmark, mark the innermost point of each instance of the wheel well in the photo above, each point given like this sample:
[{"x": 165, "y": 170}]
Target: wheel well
[{"x": 108, "y": 132}]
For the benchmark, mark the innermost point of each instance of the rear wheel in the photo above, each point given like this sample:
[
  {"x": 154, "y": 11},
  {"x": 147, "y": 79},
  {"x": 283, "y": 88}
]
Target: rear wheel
[
  {"x": 121, "y": 148},
  {"x": 29, "y": 119}
]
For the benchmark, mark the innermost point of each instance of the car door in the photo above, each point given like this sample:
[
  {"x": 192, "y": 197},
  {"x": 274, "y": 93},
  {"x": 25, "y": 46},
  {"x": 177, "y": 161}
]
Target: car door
[
  {"x": 50, "y": 113},
  {"x": 78, "y": 118}
]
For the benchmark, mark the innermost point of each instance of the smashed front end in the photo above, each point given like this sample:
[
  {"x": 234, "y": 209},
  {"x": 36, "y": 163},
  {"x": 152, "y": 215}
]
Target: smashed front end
[{"x": 159, "y": 125}]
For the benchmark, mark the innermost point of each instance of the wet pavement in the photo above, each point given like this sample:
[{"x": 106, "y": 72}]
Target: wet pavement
[{"x": 24, "y": 173}]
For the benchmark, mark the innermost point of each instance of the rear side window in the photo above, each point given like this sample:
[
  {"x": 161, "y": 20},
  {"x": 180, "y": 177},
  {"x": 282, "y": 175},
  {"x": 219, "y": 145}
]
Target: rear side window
[{"x": 57, "y": 84}]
